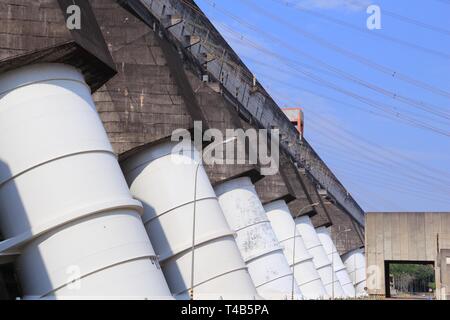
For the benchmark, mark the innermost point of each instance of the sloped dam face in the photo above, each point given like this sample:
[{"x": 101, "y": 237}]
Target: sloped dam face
[{"x": 98, "y": 202}]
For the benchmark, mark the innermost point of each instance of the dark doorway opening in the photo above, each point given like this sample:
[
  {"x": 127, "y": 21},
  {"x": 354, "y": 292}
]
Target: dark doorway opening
[
  {"x": 410, "y": 279},
  {"x": 9, "y": 287}
]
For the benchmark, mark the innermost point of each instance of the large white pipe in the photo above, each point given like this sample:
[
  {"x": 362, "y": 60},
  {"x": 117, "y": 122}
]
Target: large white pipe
[
  {"x": 169, "y": 181},
  {"x": 301, "y": 262},
  {"x": 256, "y": 240},
  {"x": 323, "y": 264},
  {"x": 355, "y": 262},
  {"x": 338, "y": 266},
  {"x": 64, "y": 204}
]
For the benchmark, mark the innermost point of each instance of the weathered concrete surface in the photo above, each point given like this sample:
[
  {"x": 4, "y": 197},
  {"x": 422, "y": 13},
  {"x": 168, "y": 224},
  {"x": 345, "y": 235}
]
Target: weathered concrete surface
[
  {"x": 323, "y": 175},
  {"x": 198, "y": 38},
  {"x": 36, "y": 32},
  {"x": 404, "y": 236},
  {"x": 142, "y": 103},
  {"x": 344, "y": 241},
  {"x": 146, "y": 101},
  {"x": 272, "y": 188},
  {"x": 221, "y": 115},
  {"x": 30, "y": 26}
]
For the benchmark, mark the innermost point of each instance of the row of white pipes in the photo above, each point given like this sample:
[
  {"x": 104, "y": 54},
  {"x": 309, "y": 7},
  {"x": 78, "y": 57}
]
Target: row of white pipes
[
  {"x": 222, "y": 243},
  {"x": 65, "y": 207},
  {"x": 77, "y": 231}
]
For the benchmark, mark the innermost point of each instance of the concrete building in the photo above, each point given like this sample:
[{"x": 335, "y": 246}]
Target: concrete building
[{"x": 407, "y": 237}]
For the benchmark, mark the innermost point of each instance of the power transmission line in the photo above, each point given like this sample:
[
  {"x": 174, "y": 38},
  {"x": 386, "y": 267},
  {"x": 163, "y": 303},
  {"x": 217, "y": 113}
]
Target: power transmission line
[
  {"x": 393, "y": 113},
  {"x": 348, "y": 76},
  {"x": 374, "y": 173},
  {"x": 382, "y": 173},
  {"x": 380, "y": 106},
  {"x": 352, "y": 167},
  {"x": 351, "y": 141},
  {"x": 360, "y": 145},
  {"x": 241, "y": 38},
  {"x": 271, "y": 67},
  {"x": 383, "y": 163},
  {"x": 417, "y": 104},
  {"x": 419, "y": 167},
  {"x": 345, "y": 24},
  {"x": 371, "y": 64},
  {"x": 380, "y": 179},
  {"x": 377, "y": 181}
]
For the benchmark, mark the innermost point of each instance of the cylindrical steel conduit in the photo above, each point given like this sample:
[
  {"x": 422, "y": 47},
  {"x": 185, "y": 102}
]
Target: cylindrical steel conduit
[
  {"x": 64, "y": 203},
  {"x": 355, "y": 262},
  {"x": 165, "y": 178},
  {"x": 338, "y": 266},
  {"x": 320, "y": 258},
  {"x": 305, "y": 273},
  {"x": 256, "y": 239}
]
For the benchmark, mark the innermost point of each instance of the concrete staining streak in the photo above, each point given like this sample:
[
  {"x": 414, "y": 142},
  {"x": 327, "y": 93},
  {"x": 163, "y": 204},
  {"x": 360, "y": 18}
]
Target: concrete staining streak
[{"x": 254, "y": 228}]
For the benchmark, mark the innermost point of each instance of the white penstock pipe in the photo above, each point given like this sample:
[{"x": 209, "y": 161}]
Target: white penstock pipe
[
  {"x": 300, "y": 261},
  {"x": 338, "y": 266},
  {"x": 256, "y": 240},
  {"x": 320, "y": 257},
  {"x": 186, "y": 225},
  {"x": 65, "y": 208},
  {"x": 355, "y": 262}
]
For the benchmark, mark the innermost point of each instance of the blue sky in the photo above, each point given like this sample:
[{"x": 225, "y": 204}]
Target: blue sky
[{"x": 375, "y": 142}]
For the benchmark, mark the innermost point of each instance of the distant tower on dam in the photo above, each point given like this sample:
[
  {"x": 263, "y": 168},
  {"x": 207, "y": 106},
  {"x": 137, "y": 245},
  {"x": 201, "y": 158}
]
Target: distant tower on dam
[
  {"x": 296, "y": 117},
  {"x": 88, "y": 190}
]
